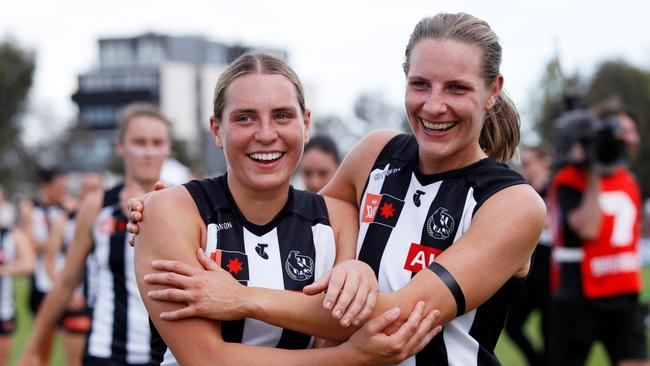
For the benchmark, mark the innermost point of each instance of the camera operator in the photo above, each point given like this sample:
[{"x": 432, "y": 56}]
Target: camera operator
[{"x": 595, "y": 206}]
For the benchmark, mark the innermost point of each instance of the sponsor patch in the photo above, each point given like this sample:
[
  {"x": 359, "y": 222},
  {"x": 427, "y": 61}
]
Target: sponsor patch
[
  {"x": 236, "y": 263},
  {"x": 419, "y": 257},
  {"x": 388, "y": 211},
  {"x": 370, "y": 208}
]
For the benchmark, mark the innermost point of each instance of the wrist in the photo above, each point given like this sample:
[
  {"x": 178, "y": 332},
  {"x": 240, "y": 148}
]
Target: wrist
[
  {"x": 250, "y": 306},
  {"x": 350, "y": 355}
]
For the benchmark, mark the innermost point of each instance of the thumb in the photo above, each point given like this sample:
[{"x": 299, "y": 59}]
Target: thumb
[
  {"x": 380, "y": 322},
  {"x": 318, "y": 286},
  {"x": 205, "y": 261}
]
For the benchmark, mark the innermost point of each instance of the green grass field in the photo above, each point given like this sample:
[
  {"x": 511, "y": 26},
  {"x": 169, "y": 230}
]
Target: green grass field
[{"x": 508, "y": 354}]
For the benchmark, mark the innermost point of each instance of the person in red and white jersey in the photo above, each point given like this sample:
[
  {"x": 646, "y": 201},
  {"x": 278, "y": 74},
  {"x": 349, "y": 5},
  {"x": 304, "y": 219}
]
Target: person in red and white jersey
[{"x": 595, "y": 206}]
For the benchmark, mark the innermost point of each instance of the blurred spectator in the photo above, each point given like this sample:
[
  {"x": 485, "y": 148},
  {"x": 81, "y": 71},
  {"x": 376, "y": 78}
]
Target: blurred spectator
[
  {"x": 595, "y": 207},
  {"x": 536, "y": 168},
  {"x": 319, "y": 162},
  {"x": 7, "y": 211}
]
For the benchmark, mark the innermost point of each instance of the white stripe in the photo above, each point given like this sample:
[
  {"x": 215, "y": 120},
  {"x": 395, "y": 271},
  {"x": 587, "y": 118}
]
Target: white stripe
[
  {"x": 325, "y": 249},
  {"x": 211, "y": 245},
  {"x": 7, "y": 309},
  {"x": 462, "y": 350},
  {"x": 568, "y": 255},
  {"x": 99, "y": 340},
  {"x": 138, "y": 333},
  {"x": 267, "y": 274}
]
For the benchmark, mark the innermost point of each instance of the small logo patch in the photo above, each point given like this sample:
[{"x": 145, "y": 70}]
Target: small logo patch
[
  {"x": 419, "y": 257},
  {"x": 416, "y": 197},
  {"x": 260, "y": 250},
  {"x": 370, "y": 209},
  {"x": 299, "y": 267},
  {"x": 440, "y": 225}
]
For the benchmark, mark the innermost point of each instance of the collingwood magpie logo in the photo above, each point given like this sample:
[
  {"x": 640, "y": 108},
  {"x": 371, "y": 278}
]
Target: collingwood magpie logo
[
  {"x": 299, "y": 267},
  {"x": 260, "y": 250},
  {"x": 416, "y": 197},
  {"x": 440, "y": 225}
]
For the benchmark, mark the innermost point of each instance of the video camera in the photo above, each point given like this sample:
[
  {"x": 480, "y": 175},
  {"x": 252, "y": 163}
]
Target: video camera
[{"x": 596, "y": 138}]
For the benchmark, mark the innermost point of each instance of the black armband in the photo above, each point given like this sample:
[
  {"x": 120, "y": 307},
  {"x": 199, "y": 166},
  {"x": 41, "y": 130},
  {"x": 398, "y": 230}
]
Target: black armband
[{"x": 451, "y": 284}]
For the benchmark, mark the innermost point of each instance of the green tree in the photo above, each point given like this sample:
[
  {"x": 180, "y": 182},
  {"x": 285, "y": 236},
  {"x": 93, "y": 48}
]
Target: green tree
[{"x": 16, "y": 72}]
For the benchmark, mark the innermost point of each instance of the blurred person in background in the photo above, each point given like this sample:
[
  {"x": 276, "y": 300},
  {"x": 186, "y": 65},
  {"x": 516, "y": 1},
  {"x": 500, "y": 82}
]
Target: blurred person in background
[
  {"x": 36, "y": 219},
  {"x": 595, "y": 207},
  {"x": 7, "y": 210},
  {"x": 319, "y": 162},
  {"x": 16, "y": 258},
  {"x": 120, "y": 333},
  {"x": 75, "y": 323},
  {"x": 536, "y": 168}
]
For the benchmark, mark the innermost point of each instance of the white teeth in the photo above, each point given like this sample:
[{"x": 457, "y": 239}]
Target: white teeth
[
  {"x": 266, "y": 156},
  {"x": 437, "y": 126}
]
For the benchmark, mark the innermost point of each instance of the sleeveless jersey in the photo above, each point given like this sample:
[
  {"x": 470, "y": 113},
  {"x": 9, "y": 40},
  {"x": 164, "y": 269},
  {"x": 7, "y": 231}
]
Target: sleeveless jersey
[
  {"x": 42, "y": 218},
  {"x": 610, "y": 264},
  {"x": 120, "y": 323},
  {"x": 408, "y": 218},
  {"x": 7, "y": 256},
  {"x": 288, "y": 253}
]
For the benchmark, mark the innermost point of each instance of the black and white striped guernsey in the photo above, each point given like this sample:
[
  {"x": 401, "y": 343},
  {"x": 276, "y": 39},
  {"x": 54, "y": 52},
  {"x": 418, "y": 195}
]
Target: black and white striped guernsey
[
  {"x": 407, "y": 219},
  {"x": 43, "y": 216},
  {"x": 289, "y": 252},
  {"x": 7, "y": 256},
  {"x": 120, "y": 332}
]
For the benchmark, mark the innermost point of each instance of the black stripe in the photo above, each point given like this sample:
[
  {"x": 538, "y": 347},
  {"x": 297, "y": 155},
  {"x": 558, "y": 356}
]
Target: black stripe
[
  {"x": 231, "y": 240},
  {"x": 377, "y": 235},
  {"x": 298, "y": 255},
  {"x": 444, "y": 203},
  {"x": 118, "y": 267},
  {"x": 157, "y": 345}
]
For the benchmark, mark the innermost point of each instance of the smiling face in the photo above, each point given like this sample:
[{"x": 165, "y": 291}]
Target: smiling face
[
  {"x": 262, "y": 131},
  {"x": 446, "y": 100}
]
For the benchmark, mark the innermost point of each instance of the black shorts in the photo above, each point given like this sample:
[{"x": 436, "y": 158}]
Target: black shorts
[
  {"x": 7, "y": 327},
  {"x": 77, "y": 321},
  {"x": 616, "y": 321}
]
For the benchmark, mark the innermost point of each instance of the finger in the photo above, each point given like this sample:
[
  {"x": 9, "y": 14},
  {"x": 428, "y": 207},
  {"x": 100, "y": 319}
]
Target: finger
[
  {"x": 135, "y": 216},
  {"x": 380, "y": 322},
  {"x": 348, "y": 293},
  {"x": 356, "y": 305},
  {"x": 159, "y": 186},
  {"x": 174, "y": 266},
  {"x": 186, "y": 312},
  {"x": 409, "y": 328},
  {"x": 334, "y": 286},
  {"x": 167, "y": 279},
  {"x": 132, "y": 241},
  {"x": 170, "y": 294},
  {"x": 133, "y": 228},
  {"x": 424, "y": 334},
  {"x": 368, "y": 308},
  {"x": 205, "y": 261},
  {"x": 319, "y": 286}
]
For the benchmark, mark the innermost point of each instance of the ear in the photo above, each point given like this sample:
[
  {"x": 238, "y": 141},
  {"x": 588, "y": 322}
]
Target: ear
[
  {"x": 495, "y": 91},
  {"x": 307, "y": 119},
  {"x": 215, "y": 128}
]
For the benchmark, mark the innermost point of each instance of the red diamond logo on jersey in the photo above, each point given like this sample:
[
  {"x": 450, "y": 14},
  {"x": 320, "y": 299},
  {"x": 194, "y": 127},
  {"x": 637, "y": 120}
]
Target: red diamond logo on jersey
[
  {"x": 419, "y": 257},
  {"x": 370, "y": 207},
  {"x": 389, "y": 210},
  {"x": 236, "y": 263},
  {"x": 121, "y": 225}
]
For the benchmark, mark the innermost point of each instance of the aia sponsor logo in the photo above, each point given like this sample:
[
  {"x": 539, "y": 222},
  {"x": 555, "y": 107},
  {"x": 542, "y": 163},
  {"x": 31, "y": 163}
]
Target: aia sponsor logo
[
  {"x": 419, "y": 257},
  {"x": 382, "y": 209},
  {"x": 236, "y": 263}
]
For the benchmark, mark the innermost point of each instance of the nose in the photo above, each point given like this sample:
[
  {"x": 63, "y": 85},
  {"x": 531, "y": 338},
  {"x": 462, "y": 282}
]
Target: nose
[
  {"x": 266, "y": 132},
  {"x": 435, "y": 103}
]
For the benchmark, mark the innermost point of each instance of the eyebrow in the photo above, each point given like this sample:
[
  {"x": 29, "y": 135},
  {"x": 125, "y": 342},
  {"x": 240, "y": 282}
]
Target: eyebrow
[{"x": 254, "y": 111}]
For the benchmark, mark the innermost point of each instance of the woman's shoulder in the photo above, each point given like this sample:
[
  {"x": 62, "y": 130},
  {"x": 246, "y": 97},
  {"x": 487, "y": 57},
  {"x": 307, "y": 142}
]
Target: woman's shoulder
[{"x": 489, "y": 177}]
